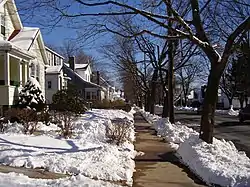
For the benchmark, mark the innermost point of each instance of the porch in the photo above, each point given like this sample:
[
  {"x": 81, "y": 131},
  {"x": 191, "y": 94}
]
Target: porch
[{"x": 13, "y": 75}]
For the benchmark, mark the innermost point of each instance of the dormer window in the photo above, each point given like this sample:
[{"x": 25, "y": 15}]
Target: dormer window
[{"x": 3, "y": 25}]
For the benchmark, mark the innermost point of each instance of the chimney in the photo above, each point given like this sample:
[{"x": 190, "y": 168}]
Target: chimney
[
  {"x": 72, "y": 63},
  {"x": 98, "y": 78}
]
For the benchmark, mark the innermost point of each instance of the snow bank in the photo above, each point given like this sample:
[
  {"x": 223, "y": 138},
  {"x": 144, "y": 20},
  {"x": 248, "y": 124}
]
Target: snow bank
[
  {"x": 186, "y": 108},
  {"x": 230, "y": 112},
  {"x": 218, "y": 163},
  {"x": 20, "y": 180},
  {"x": 176, "y": 134},
  {"x": 87, "y": 153}
]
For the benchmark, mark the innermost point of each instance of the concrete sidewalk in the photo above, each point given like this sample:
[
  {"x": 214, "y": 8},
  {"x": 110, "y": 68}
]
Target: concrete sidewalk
[{"x": 158, "y": 167}]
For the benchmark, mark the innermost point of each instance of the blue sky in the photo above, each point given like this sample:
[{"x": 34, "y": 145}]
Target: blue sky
[{"x": 60, "y": 32}]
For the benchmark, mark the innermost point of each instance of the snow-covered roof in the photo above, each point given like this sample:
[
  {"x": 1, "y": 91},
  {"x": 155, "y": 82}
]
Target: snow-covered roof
[
  {"x": 53, "y": 69},
  {"x": 79, "y": 66},
  {"x": 25, "y": 37},
  {"x": 7, "y": 46},
  {"x": 83, "y": 80}
]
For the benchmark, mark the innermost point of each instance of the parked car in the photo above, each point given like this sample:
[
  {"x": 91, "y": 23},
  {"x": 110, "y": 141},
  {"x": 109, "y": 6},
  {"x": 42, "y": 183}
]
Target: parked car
[{"x": 244, "y": 114}]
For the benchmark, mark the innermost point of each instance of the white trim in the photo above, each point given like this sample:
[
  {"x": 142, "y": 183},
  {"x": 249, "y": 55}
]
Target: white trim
[
  {"x": 6, "y": 69},
  {"x": 55, "y": 53},
  {"x": 20, "y": 69}
]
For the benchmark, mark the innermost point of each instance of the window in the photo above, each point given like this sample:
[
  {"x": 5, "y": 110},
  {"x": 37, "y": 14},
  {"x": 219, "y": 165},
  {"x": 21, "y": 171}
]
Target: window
[
  {"x": 49, "y": 84},
  {"x": 94, "y": 95},
  {"x": 32, "y": 70},
  {"x": 37, "y": 72},
  {"x": 2, "y": 25},
  {"x": 88, "y": 95},
  {"x": 54, "y": 60}
]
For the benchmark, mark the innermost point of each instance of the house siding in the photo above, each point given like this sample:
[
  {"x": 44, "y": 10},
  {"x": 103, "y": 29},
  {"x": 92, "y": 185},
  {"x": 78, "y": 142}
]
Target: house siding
[
  {"x": 55, "y": 86},
  {"x": 38, "y": 62},
  {"x": 85, "y": 73},
  {"x": 9, "y": 28}
]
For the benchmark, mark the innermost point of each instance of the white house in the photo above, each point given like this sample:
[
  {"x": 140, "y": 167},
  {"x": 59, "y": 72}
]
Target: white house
[
  {"x": 54, "y": 79},
  {"x": 22, "y": 54},
  {"x": 84, "y": 70}
]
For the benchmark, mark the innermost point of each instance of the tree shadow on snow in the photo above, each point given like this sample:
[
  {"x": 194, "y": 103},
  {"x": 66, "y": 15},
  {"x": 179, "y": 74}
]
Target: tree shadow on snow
[{"x": 74, "y": 148}]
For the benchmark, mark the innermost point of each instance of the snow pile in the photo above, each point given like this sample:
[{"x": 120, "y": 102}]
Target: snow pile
[
  {"x": 151, "y": 118},
  {"x": 133, "y": 110},
  {"x": 158, "y": 109},
  {"x": 218, "y": 163},
  {"x": 230, "y": 112},
  {"x": 87, "y": 153},
  {"x": 175, "y": 134},
  {"x": 20, "y": 180},
  {"x": 186, "y": 108},
  {"x": 13, "y": 128}
]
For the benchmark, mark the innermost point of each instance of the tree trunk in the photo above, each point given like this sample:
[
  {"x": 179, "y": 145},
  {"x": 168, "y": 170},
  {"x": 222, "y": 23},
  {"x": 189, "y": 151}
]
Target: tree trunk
[
  {"x": 241, "y": 99},
  {"x": 165, "y": 106},
  {"x": 185, "y": 100},
  {"x": 230, "y": 100},
  {"x": 153, "y": 91},
  {"x": 139, "y": 102},
  {"x": 170, "y": 70},
  {"x": 246, "y": 100},
  {"x": 147, "y": 102},
  {"x": 209, "y": 105}
]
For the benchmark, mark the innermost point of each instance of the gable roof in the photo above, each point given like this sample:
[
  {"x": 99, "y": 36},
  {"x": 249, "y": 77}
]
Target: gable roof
[
  {"x": 26, "y": 37},
  {"x": 91, "y": 84}
]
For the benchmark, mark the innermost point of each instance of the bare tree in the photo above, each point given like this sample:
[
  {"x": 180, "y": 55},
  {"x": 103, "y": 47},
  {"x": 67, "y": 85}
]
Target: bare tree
[
  {"x": 192, "y": 26},
  {"x": 186, "y": 77}
]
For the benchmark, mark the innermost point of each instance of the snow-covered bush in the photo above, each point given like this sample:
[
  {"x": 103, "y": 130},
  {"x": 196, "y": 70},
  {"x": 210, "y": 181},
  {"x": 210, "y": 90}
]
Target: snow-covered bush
[
  {"x": 31, "y": 96},
  {"x": 118, "y": 130},
  {"x": 67, "y": 106},
  {"x": 27, "y": 117}
]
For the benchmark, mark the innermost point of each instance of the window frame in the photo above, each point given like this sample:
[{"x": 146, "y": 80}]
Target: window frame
[
  {"x": 49, "y": 84},
  {"x": 3, "y": 24}
]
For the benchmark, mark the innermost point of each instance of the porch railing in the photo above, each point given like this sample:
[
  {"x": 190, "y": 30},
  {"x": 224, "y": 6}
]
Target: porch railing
[{"x": 12, "y": 83}]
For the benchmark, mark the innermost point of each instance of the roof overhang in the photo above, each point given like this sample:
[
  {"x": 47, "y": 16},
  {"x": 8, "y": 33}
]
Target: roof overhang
[{"x": 7, "y": 46}]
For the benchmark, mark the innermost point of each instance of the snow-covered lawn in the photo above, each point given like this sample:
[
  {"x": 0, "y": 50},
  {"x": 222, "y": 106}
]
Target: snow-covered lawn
[
  {"x": 218, "y": 163},
  {"x": 86, "y": 155}
]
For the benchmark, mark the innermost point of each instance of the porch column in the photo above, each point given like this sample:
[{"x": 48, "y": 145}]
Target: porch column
[
  {"x": 6, "y": 69},
  {"x": 20, "y": 69},
  {"x": 25, "y": 72}
]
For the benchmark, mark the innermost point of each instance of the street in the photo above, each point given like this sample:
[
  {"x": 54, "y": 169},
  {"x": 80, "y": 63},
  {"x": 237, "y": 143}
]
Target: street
[{"x": 226, "y": 127}]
